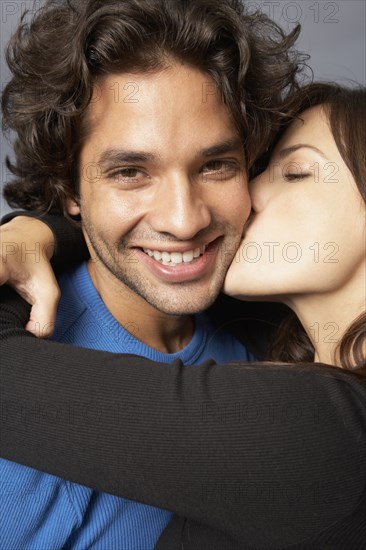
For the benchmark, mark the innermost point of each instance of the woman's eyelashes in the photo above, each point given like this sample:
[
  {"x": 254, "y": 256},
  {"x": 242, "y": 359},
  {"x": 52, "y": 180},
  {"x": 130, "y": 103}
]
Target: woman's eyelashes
[
  {"x": 295, "y": 176},
  {"x": 291, "y": 171}
]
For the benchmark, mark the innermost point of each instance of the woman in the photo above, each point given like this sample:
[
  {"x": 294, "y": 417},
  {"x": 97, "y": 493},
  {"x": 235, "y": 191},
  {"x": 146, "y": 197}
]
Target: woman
[{"x": 247, "y": 455}]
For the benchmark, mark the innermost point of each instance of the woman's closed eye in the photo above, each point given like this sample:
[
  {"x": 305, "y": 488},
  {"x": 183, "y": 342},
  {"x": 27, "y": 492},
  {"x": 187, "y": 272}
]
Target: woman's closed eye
[{"x": 294, "y": 176}]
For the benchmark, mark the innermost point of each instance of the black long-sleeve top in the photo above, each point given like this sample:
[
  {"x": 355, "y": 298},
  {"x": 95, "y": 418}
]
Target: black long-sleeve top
[{"x": 248, "y": 456}]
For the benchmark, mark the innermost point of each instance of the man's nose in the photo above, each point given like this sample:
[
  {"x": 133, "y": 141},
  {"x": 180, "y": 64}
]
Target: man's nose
[
  {"x": 261, "y": 190},
  {"x": 180, "y": 208}
]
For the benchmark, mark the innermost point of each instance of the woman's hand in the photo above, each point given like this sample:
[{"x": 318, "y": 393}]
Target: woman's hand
[{"x": 27, "y": 245}]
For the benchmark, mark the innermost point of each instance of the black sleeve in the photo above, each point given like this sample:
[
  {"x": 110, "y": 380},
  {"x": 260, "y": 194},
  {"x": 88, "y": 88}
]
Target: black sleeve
[{"x": 218, "y": 444}]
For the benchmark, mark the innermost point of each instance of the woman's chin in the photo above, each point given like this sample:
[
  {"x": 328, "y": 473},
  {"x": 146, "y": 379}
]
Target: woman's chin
[
  {"x": 242, "y": 287},
  {"x": 235, "y": 288},
  {"x": 241, "y": 282}
]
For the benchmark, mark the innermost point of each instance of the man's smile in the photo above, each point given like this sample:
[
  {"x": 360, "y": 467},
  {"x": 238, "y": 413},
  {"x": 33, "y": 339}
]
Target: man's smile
[
  {"x": 180, "y": 267},
  {"x": 174, "y": 258}
]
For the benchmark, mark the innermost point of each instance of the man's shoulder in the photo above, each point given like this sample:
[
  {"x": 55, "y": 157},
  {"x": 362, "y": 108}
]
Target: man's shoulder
[
  {"x": 84, "y": 320},
  {"x": 26, "y": 497},
  {"x": 73, "y": 276},
  {"x": 72, "y": 306}
]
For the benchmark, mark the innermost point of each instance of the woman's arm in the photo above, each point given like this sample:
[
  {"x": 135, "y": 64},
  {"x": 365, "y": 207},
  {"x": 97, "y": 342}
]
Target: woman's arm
[
  {"x": 28, "y": 242},
  {"x": 239, "y": 447},
  {"x": 65, "y": 242}
]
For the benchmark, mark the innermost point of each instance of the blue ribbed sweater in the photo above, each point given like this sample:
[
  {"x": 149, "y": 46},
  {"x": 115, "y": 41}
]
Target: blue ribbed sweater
[{"x": 42, "y": 512}]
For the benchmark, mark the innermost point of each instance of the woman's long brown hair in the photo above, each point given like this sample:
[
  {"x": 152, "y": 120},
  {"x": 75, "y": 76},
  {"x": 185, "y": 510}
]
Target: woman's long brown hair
[{"x": 346, "y": 110}]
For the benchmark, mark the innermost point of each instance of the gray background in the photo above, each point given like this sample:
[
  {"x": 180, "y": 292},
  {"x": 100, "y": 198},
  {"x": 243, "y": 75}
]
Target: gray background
[{"x": 333, "y": 33}]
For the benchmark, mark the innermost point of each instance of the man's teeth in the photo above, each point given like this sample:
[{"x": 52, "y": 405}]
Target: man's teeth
[{"x": 175, "y": 258}]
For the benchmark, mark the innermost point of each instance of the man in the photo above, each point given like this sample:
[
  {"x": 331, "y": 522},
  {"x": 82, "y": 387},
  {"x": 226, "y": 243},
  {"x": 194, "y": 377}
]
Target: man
[{"x": 140, "y": 119}]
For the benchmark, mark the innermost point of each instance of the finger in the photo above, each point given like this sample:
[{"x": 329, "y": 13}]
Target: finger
[
  {"x": 4, "y": 272},
  {"x": 43, "y": 313}
]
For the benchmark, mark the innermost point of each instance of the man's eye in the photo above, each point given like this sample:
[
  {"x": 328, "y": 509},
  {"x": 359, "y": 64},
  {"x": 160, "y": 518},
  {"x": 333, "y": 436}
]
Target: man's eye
[
  {"x": 216, "y": 165},
  {"x": 220, "y": 168},
  {"x": 125, "y": 174}
]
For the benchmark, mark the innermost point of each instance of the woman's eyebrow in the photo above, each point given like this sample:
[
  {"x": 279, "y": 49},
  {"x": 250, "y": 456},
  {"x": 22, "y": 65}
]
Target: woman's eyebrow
[{"x": 283, "y": 153}]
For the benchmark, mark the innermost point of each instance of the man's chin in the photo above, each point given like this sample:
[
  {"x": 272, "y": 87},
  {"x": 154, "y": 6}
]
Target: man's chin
[{"x": 184, "y": 306}]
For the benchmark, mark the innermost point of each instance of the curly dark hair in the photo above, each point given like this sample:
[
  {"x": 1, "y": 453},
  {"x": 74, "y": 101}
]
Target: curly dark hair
[
  {"x": 57, "y": 57},
  {"x": 345, "y": 108}
]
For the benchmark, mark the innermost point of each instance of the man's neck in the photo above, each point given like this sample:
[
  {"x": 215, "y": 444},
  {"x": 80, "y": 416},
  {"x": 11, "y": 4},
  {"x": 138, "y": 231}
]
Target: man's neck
[{"x": 160, "y": 331}]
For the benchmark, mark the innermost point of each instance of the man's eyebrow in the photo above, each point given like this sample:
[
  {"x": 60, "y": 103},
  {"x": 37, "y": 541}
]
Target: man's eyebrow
[
  {"x": 232, "y": 144},
  {"x": 115, "y": 156},
  {"x": 283, "y": 153}
]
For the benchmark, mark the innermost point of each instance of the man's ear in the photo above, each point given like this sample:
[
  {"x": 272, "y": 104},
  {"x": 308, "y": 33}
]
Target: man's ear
[{"x": 72, "y": 207}]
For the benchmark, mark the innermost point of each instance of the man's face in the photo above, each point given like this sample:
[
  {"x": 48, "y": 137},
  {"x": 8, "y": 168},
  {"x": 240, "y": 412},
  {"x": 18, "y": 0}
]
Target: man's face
[{"x": 163, "y": 190}]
